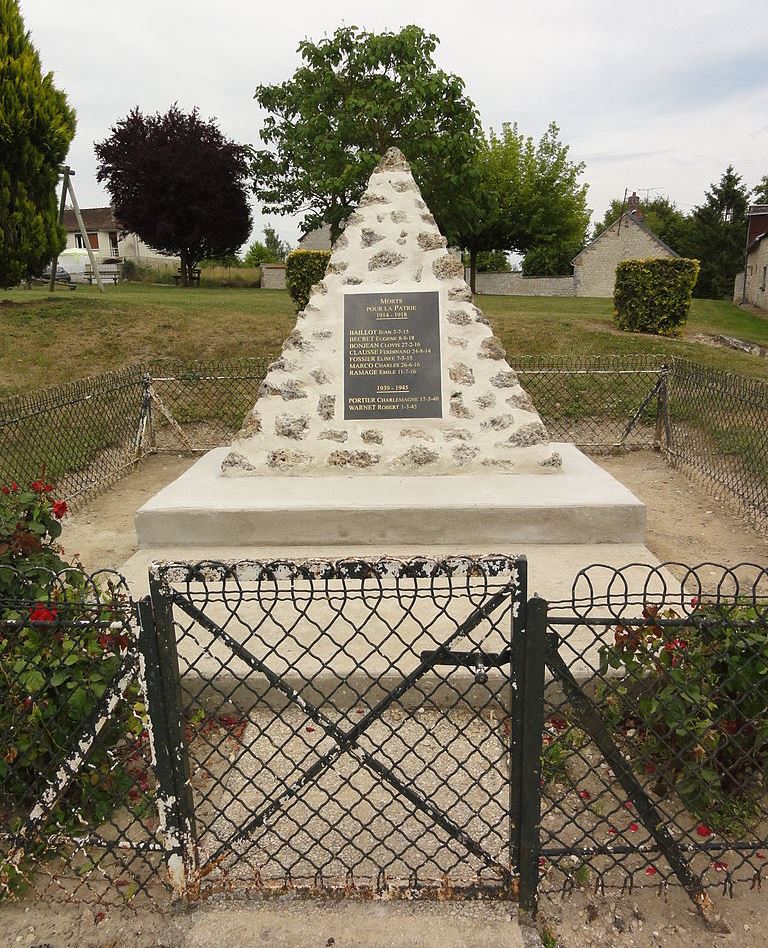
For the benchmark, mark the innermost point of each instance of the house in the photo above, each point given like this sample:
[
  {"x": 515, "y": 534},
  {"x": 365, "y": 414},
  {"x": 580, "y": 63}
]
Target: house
[
  {"x": 750, "y": 285},
  {"x": 107, "y": 241},
  {"x": 628, "y": 238},
  {"x": 594, "y": 269},
  {"x": 317, "y": 239}
]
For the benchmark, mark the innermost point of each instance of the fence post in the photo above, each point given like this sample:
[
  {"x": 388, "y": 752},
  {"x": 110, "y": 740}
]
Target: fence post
[
  {"x": 145, "y": 434},
  {"x": 662, "y": 410},
  {"x": 175, "y": 806},
  {"x": 530, "y": 764}
]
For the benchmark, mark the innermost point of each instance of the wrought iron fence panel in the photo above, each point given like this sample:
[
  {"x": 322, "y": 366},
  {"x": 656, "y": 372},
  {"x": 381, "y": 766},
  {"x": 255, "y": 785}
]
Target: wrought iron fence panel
[
  {"x": 655, "y": 742},
  {"x": 344, "y": 726},
  {"x": 78, "y": 819}
]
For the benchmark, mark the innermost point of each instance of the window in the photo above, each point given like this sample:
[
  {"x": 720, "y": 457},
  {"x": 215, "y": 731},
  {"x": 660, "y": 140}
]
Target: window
[
  {"x": 113, "y": 243},
  {"x": 762, "y": 285},
  {"x": 93, "y": 240},
  {"x": 79, "y": 242}
]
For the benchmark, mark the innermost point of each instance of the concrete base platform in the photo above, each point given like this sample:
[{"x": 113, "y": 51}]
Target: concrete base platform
[{"x": 581, "y": 504}]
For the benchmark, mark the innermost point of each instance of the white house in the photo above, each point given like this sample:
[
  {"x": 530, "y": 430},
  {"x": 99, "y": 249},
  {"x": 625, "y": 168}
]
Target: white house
[{"x": 104, "y": 236}]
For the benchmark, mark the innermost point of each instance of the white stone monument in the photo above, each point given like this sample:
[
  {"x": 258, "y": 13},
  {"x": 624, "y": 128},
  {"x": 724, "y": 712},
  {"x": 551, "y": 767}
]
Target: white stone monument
[
  {"x": 391, "y": 419},
  {"x": 391, "y": 369}
]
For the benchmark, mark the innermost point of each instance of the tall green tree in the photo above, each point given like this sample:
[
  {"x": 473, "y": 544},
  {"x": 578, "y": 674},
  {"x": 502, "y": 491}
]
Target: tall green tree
[
  {"x": 36, "y": 128},
  {"x": 718, "y": 228},
  {"x": 355, "y": 95},
  {"x": 661, "y": 215},
  {"x": 527, "y": 199},
  {"x": 760, "y": 191},
  {"x": 179, "y": 183},
  {"x": 270, "y": 250}
]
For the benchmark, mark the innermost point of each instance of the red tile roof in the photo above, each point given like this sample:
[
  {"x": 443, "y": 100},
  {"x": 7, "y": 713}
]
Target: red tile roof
[{"x": 94, "y": 218}]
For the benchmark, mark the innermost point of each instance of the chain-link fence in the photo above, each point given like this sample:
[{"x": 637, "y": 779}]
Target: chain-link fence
[
  {"x": 78, "y": 819},
  {"x": 655, "y": 745},
  {"x": 88, "y": 433},
  {"x": 718, "y": 430},
  {"x": 382, "y": 728}
]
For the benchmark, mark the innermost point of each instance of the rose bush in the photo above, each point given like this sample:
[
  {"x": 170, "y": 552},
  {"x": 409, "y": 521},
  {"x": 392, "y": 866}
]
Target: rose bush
[
  {"x": 61, "y": 639},
  {"x": 692, "y": 705}
]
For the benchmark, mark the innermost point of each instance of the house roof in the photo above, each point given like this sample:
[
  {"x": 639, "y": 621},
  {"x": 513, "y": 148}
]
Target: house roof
[
  {"x": 754, "y": 209},
  {"x": 94, "y": 218},
  {"x": 630, "y": 218}
]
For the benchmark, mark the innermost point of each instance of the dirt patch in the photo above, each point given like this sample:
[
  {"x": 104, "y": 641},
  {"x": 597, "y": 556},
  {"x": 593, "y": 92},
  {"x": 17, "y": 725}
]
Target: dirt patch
[
  {"x": 685, "y": 524},
  {"x": 103, "y": 533}
]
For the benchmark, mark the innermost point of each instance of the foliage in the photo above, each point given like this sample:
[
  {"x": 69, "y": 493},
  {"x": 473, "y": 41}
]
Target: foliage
[
  {"x": 36, "y": 127},
  {"x": 654, "y": 295},
  {"x": 527, "y": 199},
  {"x": 489, "y": 261},
  {"x": 660, "y": 215},
  {"x": 355, "y": 95},
  {"x": 695, "y": 696},
  {"x": 760, "y": 191},
  {"x": 61, "y": 640},
  {"x": 717, "y": 235},
  {"x": 230, "y": 261},
  {"x": 303, "y": 269},
  {"x": 272, "y": 250},
  {"x": 177, "y": 182}
]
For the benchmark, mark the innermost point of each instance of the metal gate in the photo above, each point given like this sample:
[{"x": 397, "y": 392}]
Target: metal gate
[{"x": 346, "y": 726}]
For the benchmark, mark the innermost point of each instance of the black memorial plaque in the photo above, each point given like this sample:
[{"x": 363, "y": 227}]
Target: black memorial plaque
[{"x": 392, "y": 355}]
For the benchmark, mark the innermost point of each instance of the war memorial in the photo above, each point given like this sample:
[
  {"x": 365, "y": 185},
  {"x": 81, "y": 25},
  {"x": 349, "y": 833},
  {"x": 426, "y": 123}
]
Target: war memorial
[{"x": 391, "y": 422}]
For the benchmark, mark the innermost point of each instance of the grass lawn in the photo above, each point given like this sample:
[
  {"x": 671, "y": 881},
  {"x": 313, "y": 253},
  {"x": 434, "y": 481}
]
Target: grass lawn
[{"x": 47, "y": 340}]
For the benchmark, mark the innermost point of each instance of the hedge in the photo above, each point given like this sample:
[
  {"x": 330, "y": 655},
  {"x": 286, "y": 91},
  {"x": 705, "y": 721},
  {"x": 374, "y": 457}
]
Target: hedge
[
  {"x": 654, "y": 295},
  {"x": 304, "y": 268}
]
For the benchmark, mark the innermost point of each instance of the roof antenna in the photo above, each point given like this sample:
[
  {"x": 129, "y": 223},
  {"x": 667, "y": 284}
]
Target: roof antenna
[{"x": 621, "y": 216}]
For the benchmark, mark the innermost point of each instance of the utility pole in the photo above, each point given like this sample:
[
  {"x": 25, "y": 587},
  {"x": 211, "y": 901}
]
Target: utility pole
[
  {"x": 66, "y": 172},
  {"x": 67, "y": 188}
]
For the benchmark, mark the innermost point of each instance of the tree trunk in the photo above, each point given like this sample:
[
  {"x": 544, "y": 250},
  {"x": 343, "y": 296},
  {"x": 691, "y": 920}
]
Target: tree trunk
[
  {"x": 473, "y": 270},
  {"x": 184, "y": 269}
]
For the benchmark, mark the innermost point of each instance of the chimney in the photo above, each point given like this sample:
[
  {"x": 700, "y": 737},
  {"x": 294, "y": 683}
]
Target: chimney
[{"x": 633, "y": 206}]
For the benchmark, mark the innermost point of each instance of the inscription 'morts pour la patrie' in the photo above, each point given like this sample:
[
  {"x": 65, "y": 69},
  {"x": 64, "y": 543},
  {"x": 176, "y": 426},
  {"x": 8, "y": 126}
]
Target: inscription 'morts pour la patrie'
[{"x": 392, "y": 355}]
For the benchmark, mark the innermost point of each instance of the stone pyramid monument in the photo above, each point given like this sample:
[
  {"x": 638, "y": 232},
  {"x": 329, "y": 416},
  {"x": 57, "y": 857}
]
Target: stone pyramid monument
[{"x": 391, "y": 369}]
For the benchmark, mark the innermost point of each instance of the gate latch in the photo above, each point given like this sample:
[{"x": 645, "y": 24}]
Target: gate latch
[{"x": 479, "y": 662}]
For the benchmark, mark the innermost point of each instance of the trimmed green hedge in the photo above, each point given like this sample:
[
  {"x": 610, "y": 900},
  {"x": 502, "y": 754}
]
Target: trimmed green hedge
[
  {"x": 304, "y": 268},
  {"x": 654, "y": 295}
]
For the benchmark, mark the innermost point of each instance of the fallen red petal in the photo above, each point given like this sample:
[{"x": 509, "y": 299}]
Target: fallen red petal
[
  {"x": 633, "y": 827},
  {"x": 585, "y": 794},
  {"x": 651, "y": 871},
  {"x": 703, "y": 830}
]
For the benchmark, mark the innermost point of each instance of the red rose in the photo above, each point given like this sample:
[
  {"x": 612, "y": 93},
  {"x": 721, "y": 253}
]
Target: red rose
[
  {"x": 37, "y": 486},
  {"x": 5, "y": 490},
  {"x": 59, "y": 508},
  {"x": 47, "y": 488},
  {"x": 41, "y": 613},
  {"x": 14, "y": 487}
]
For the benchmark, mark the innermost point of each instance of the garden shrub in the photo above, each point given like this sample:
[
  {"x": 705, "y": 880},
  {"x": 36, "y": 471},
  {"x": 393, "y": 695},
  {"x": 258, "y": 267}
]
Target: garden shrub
[
  {"x": 692, "y": 704},
  {"x": 304, "y": 268},
  {"x": 654, "y": 295},
  {"x": 62, "y": 636}
]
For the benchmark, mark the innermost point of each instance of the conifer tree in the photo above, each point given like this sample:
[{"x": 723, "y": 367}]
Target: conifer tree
[{"x": 36, "y": 128}]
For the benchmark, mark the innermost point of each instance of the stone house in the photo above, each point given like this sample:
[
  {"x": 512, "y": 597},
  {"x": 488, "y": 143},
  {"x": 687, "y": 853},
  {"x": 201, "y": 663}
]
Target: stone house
[
  {"x": 317, "y": 239},
  {"x": 107, "y": 240},
  {"x": 628, "y": 238},
  {"x": 750, "y": 284}
]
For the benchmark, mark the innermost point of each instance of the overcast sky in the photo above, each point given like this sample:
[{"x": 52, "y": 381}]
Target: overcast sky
[{"x": 659, "y": 94}]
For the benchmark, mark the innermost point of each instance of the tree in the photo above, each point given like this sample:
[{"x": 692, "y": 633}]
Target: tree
[
  {"x": 177, "y": 182},
  {"x": 660, "y": 214},
  {"x": 718, "y": 228},
  {"x": 527, "y": 199},
  {"x": 272, "y": 250},
  {"x": 36, "y": 128},
  {"x": 355, "y": 95},
  {"x": 760, "y": 192}
]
